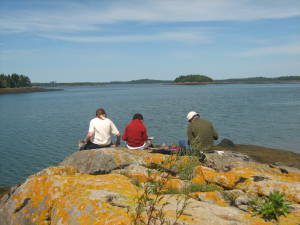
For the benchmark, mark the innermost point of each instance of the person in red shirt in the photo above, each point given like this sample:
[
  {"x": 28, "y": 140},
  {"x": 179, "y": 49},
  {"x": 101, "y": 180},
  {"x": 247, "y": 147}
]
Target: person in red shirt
[{"x": 135, "y": 133}]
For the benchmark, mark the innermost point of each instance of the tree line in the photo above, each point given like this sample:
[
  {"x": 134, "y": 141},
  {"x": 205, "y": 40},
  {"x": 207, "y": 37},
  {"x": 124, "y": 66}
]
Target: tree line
[
  {"x": 193, "y": 78},
  {"x": 14, "y": 81}
]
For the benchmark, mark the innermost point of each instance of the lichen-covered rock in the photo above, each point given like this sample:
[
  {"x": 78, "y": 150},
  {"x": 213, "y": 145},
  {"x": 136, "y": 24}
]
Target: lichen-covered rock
[
  {"x": 102, "y": 161},
  {"x": 102, "y": 187},
  {"x": 68, "y": 198},
  {"x": 254, "y": 177}
]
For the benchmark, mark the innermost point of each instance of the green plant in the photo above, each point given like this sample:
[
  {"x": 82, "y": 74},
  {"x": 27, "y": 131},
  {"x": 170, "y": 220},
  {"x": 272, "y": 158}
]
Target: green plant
[
  {"x": 150, "y": 206},
  {"x": 270, "y": 207},
  {"x": 186, "y": 168},
  {"x": 194, "y": 187}
]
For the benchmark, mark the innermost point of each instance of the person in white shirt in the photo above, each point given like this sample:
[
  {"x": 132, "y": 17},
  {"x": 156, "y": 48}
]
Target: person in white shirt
[{"x": 100, "y": 132}]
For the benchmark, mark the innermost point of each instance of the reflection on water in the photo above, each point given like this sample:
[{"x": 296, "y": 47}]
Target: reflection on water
[{"x": 40, "y": 129}]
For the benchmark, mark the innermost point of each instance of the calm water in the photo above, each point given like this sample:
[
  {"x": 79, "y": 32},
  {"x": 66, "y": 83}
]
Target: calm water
[{"x": 40, "y": 129}]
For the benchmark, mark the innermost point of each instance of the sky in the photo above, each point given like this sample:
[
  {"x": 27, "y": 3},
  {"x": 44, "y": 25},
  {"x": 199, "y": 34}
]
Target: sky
[{"x": 118, "y": 40}]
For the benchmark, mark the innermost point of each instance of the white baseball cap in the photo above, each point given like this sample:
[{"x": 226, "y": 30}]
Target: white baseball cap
[{"x": 190, "y": 115}]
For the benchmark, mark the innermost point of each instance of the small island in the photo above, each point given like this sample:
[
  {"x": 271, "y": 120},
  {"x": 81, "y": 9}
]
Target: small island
[
  {"x": 195, "y": 79},
  {"x": 16, "y": 83}
]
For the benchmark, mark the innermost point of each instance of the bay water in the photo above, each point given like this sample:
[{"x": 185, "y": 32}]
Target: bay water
[{"x": 38, "y": 130}]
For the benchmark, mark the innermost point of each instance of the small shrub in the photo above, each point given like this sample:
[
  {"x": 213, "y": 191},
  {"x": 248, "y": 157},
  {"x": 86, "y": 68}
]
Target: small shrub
[
  {"x": 185, "y": 169},
  {"x": 270, "y": 207},
  {"x": 150, "y": 206}
]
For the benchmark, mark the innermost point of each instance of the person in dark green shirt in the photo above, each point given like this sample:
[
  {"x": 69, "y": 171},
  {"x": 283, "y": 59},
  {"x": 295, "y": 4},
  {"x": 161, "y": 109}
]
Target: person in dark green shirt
[{"x": 201, "y": 133}]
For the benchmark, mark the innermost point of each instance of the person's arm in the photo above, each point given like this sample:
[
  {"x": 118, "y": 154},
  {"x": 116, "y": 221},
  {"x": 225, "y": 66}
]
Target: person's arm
[
  {"x": 88, "y": 137},
  {"x": 115, "y": 131},
  {"x": 90, "y": 133}
]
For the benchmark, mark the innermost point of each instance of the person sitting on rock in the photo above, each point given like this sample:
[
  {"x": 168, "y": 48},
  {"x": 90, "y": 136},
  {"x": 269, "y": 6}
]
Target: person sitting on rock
[
  {"x": 100, "y": 132},
  {"x": 201, "y": 133},
  {"x": 135, "y": 133}
]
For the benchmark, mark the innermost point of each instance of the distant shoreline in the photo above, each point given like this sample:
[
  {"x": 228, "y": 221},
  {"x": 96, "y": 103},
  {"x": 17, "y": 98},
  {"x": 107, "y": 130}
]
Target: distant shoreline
[
  {"x": 25, "y": 90},
  {"x": 168, "y": 83},
  {"x": 235, "y": 82}
]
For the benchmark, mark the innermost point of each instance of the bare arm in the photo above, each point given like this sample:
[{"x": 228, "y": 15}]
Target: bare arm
[{"x": 88, "y": 137}]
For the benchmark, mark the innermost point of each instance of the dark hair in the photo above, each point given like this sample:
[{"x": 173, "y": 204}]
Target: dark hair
[
  {"x": 100, "y": 112},
  {"x": 137, "y": 116}
]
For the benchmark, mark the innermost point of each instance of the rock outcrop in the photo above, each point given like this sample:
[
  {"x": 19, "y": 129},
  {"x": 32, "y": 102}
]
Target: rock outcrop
[{"x": 104, "y": 186}]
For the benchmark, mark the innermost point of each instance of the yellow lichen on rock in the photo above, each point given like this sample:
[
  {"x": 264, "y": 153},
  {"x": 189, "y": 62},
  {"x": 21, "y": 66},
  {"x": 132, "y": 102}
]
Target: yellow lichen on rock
[
  {"x": 174, "y": 184},
  {"x": 199, "y": 179},
  {"x": 76, "y": 199},
  {"x": 157, "y": 159},
  {"x": 212, "y": 197},
  {"x": 226, "y": 179}
]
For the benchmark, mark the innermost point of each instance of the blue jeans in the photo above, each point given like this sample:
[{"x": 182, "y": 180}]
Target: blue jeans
[{"x": 91, "y": 145}]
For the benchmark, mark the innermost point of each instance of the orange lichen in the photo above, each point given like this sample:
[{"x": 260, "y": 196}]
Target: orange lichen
[
  {"x": 198, "y": 179},
  {"x": 255, "y": 221},
  {"x": 139, "y": 176},
  {"x": 291, "y": 219},
  {"x": 227, "y": 179},
  {"x": 214, "y": 197},
  {"x": 154, "y": 159},
  {"x": 174, "y": 183}
]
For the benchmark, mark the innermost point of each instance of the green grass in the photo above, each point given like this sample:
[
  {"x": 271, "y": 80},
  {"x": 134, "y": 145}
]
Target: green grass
[{"x": 194, "y": 187}]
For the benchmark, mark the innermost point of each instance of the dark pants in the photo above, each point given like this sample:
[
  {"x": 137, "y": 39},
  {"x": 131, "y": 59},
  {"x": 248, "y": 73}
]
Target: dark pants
[{"x": 91, "y": 145}]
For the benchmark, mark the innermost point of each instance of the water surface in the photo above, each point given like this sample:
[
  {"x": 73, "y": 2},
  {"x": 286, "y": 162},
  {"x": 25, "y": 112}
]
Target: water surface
[{"x": 40, "y": 129}]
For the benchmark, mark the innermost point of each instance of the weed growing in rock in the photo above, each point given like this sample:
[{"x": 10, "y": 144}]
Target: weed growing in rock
[
  {"x": 270, "y": 207},
  {"x": 150, "y": 206},
  {"x": 185, "y": 169}
]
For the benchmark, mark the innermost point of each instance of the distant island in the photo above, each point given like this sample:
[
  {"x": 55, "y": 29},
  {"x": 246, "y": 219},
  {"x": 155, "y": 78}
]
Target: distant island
[
  {"x": 191, "y": 79},
  {"x": 19, "y": 83},
  {"x": 15, "y": 83},
  {"x": 194, "y": 79},
  {"x": 140, "y": 81}
]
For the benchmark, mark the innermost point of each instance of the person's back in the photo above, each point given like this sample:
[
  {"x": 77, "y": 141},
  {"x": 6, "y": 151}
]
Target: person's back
[
  {"x": 201, "y": 134},
  {"x": 135, "y": 133},
  {"x": 103, "y": 130},
  {"x": 100, "y": 131}
]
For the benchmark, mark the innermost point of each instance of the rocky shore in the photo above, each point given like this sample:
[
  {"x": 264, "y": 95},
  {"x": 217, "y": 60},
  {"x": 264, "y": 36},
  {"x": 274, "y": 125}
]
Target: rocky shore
[
  {"x": 25, "y": 90},
  {"x": 121, "y": 186}
]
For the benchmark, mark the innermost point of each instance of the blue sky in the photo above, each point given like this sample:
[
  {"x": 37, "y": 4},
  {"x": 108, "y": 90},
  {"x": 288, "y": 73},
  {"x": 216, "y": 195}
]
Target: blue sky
[{"x": 72, "y": 41}]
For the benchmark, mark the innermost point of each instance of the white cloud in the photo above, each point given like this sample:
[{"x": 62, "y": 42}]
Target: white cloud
[
  {"x": 291, "y": 49},
  {"x": 165, "y": 36},
  {"x": 70, "y": 17}
]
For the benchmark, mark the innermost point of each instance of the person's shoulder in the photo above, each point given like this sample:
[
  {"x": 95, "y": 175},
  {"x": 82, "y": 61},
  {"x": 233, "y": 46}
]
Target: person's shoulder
[
  {"x": 107, "y": 120},
  {"x": 206, "y": 121},
  {"x": 94, "y": 120}
]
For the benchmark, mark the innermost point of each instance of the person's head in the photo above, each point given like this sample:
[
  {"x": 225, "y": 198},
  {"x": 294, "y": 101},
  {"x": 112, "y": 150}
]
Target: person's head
[
  {"x": 192, "y": 115},
  {"x": 100, "y": 113},
  {"x": 137, "y": 116}
]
